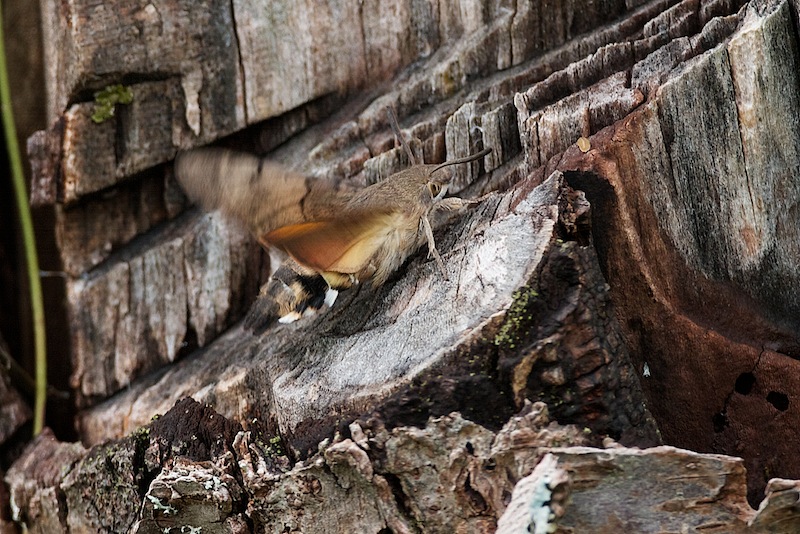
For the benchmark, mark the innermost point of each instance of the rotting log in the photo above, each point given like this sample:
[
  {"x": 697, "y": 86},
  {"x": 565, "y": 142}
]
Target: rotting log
[
  {"x": 715, "y": 225},
  {"x": 473, "y": 93},
  {"x": 683, "y": 126},
  {"x": 108, "y": 179},
  {"x": 520, "y": 315},
  {"x": 194, "y": 468},
  {"x": 568, "y": 489}
]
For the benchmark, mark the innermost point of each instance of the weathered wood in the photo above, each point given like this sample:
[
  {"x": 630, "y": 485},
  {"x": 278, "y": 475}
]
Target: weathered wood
[
  {"x": 450, "y": 472},
  {"x": 195, "y": 495},
  {"x": 662, "y": 489},
  {"x": 291, "y": 55},
  {"x": 513, "y": 316},
  {"x": 449, "y": 475},
  {"x": 774, "y": 514},
  {"x": 193, "y": 468},
  {"x": 136, "y": 313},
  {"x": 706, "y": 244},
  {"x": 34, "y": 480},
  {"x": 90, "y": 231},
  {"x": 103, "y": 43},
  {"x": 140, "y": 135},
  {"x": 551, "y": 130},
  {"x": 44, "y": 154},
  {"x": 198, "y": 73},
  {"x": 620, "y": 105},
  {"x": 14, "y": 411},
  {"x": 63, "y": 487},
  {"x": 342, "y": 154},
  {"x": 98, "y": 156},
  {"x": 693, "y": 149}
]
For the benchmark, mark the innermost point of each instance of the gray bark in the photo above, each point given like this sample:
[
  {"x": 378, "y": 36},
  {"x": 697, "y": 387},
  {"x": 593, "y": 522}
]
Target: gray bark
[{"x": 407, "y": 408}]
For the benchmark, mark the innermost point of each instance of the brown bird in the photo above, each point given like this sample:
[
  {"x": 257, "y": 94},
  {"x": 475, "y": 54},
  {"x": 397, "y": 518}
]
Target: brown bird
[{"x": 334, "y": 239}]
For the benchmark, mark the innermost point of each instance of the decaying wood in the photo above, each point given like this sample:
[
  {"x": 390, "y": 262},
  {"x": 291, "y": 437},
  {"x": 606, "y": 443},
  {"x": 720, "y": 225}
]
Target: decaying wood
[
  {"x": 711, "y": 213},
  {"x": 92, "y": 231},
  {"x": 34, "y": 479},
  {"x": 97, "y": 156},
  {"x": 570, "y": 492},
  {"x": 487, "y": 119},
  {"x": 690, "y": 110},
  {"x": 201, "y": 72},
  {"x": 139, "y": 309},
  {"x": 194, "y": 469},
  {"x": 357, "y": 363},
  {"x": 14, "y": 411}
]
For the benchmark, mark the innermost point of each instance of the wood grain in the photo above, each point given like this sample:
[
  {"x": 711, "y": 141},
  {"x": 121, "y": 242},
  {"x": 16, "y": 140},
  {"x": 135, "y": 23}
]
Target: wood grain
[{"x": 653, "y": 273}]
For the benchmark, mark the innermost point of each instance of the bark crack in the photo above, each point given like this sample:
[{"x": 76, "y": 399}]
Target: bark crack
[
  {"x": 242, "y": 72},
  {"x": 363, "y": 37},
  {"x": 739, "y": 131}
]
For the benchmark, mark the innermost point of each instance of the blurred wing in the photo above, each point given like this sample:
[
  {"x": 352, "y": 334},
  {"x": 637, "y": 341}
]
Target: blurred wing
[
  {"x": 262, "y": 194},
  {"x": 344, "y": 245}
]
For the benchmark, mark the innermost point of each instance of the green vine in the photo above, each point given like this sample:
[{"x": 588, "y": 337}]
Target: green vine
[{"x": 29, "y": 242}]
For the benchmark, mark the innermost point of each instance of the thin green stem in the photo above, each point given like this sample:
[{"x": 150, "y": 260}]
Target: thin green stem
[{"x": 26, "y": 225}]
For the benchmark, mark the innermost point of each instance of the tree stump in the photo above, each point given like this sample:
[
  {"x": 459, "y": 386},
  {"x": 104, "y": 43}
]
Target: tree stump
[{"x": 633, "y": 288}]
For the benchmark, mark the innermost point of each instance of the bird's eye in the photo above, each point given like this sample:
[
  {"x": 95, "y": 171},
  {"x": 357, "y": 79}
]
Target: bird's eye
[{"x": 434, "y": 188}]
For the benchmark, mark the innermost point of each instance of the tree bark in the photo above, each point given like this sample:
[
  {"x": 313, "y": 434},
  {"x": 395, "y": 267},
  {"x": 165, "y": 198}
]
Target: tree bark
[{"x": 649, "y": 269}]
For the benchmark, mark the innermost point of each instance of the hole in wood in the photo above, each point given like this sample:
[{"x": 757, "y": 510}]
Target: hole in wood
[
  {"x": 744, "y": 383},
  {"x": 778, "y": 400}
]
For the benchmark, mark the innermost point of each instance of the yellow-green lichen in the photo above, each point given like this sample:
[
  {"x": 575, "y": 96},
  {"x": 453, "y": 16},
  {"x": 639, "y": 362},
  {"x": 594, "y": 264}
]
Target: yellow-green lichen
[
  {"x": 517, "y": 317},
  {"x": 272, "y": 447},
  {"x": 141, "y": 432},
  {"x": 105, "y": 101}
]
